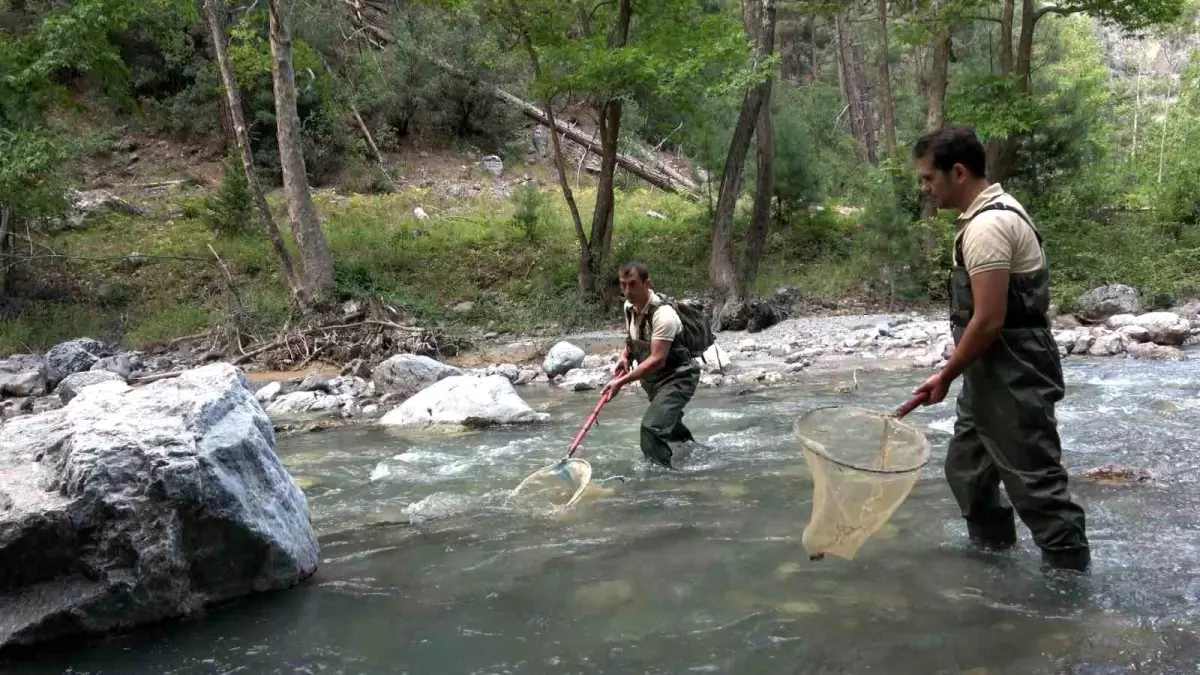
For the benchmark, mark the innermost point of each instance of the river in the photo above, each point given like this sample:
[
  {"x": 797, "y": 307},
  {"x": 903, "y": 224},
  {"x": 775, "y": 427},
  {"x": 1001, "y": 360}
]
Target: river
[{"x": 426, "y": 568}]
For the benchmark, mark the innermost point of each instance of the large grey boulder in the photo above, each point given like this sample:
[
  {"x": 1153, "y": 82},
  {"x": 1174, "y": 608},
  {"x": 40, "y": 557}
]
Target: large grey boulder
[
  {"x": 74, "y": 356},
  {"x": 407, "y": 374},
  {"x": 21, "y": 376},
  {"x": 467, "y": 401},
  {"x": 1166, "y": 328},
  {"x": 131, "y": 506},
  {"x": 72, "y": 384},
  {"x": 1100, "y": 303},
  {"x": 121, "y": 364},
  {"x": 561, "y": 358}
]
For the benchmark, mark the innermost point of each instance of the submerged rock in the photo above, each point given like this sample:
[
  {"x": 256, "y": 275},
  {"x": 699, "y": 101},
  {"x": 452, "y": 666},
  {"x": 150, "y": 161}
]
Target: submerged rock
[
  {"x": 130, "y": 506},
  {"x": 467, "y": 401}
]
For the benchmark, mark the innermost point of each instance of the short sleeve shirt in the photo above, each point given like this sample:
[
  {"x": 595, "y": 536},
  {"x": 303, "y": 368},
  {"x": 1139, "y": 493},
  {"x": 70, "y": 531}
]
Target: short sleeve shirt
[
  {"x": 666, "y": 324},
  {"x": 998, "y": 240}
]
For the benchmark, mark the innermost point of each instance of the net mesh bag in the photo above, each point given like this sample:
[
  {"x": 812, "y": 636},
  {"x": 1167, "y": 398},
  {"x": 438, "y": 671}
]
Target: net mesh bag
[{"x": 864, "y": 463}]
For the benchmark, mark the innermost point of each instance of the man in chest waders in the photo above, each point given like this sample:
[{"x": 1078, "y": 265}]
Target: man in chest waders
[
  {"x": 664, "y": 365},
  {"x": 1006, "y": 431}
]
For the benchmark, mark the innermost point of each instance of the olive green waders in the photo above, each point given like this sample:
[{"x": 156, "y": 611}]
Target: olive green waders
[
  {"x": 1006, "y": 430},
  {"x": 663, "y": 435}
]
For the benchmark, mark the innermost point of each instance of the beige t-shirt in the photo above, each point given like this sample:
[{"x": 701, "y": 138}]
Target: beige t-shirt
[
  {"x": 666, "y": 320},
  {"x": 998, "y": 240}
]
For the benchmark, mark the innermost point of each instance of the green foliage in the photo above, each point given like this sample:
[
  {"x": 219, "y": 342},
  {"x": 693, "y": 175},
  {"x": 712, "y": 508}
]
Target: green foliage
[
  {"x": 230, "y": 210},
  {"x": 527, "y": 200}
]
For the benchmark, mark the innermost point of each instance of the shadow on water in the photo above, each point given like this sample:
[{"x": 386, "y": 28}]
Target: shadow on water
[{"x": 428, "y": 566}]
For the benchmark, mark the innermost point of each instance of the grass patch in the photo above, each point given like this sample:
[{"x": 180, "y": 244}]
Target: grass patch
[{"x": 165, "y": 323}]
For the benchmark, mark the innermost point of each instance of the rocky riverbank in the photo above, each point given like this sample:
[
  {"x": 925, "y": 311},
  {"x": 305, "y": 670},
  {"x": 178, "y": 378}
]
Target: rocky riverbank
[{"x": 787, "y": 351}]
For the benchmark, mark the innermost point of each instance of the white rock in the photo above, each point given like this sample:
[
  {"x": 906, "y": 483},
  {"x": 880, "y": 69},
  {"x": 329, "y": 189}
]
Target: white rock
[
  {"x": 1135, "y": 333},
  {"x": 268, "y": 392},
  {"x": 1109, "y": 345},
  {"x": 1120, "y": 320},
  {"x": 773, "y": 377},
  {"x": 462, "y": 400},
  {"x": 370, "y": 409},
  {"x": 1066, "y": 339},
  {"x": 406, "y": 374},
  {"x": 778, "y": 351},
  {"x": 1083, "y": 343},
  {"x": 1105, "y": 301},
  {"x": 170, "y": 496},
  {"x": 74, "y": 383},
  {"x": 563, "y": 357},
  {"x": 300, "y": 402},
  {"x": 1165, "y": 328},
  {"x": 714, "y": 359},
  {"x": 420, "y": 213},
  {"x": 594, "y": 361},
  {"x": 1151, "y": 351},
  {"x": 747, "y": 346},
  {"x": 584, "y": 380}
]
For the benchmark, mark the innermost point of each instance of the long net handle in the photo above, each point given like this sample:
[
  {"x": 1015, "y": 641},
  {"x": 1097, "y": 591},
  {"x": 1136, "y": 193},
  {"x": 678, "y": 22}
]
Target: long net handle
[
  {"x": 909, "y": 405},
  {"x": 591, "y": 419}
]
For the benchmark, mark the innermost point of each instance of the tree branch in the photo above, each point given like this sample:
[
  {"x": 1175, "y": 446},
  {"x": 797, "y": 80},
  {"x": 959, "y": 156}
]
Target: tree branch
[{"x": 1055, "y": 9}]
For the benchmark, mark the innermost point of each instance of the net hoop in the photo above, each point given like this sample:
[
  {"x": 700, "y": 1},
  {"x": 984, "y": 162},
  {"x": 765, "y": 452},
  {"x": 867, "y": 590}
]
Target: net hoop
[
  {"x": 819, "y": 450},
  {"x": 558, "y": 469}
]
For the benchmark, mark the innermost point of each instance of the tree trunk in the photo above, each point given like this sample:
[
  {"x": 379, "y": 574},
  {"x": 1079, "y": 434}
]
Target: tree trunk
[
  {"x": 722, "y": 276},
  {"x": 1002, "y": 158},
  {"x": 583, "y": 272},
  {"x": 885, "y": 81},
  {"x": 610, "y": 131},
  {"x": 764, "y": 188},
  {"x": 5, "y": 265},
  {"x": 1137, "y": 103},
  {"x": 241, "y": 138},
  {"x": 996, "y": 146},
  {"x": 306, "y": 227},
  {"x": 935, "y": 113},
  {"x": 854, "y": 88}
]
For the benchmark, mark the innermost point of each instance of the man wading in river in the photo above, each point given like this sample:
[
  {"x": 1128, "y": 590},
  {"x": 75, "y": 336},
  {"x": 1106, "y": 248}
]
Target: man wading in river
[
  {"x": 1012, "y": 377},
  {"x": 655, "y": 340}
]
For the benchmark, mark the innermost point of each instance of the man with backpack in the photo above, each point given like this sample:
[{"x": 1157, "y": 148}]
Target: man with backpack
[
  {"x": 661, "y": 337},
  {"x": 1005, "y": 430}
]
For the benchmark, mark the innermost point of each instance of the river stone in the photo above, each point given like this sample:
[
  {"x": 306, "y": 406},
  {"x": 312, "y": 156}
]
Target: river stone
[
  {"x": 1166, "y": 328},
  {"x": 584, "y": 380},
  {"x": 1135, "y": 333},
  {"x": 1120, "y": 321},
  {"x": 714, "y": 359},
  {"x": 1154, "y": 352},
  {"x": 300, "y": 402},
  {"x": 1109, "y": 345},
  {"x": 268, "y": 392},
  {"x": 1066, "y": 340},
  {"x": 1083, "y": 343},
  {"x": 407, "y": 374},
  {"x": 527, "y": 375},
  {"x": 1100, "y": 303},
  {"x": 594, "y": 361},
  {"x": 507, "y": 370},
  {"x": 493, "y": 165},
  {"x": 467, "y": 401},
  {"x": 562, "y": 357},
  {"x": 130, "y": 506},
  {"x": 28, "y": 383},
  {"x": 70, "y": 387},
  {"x": 121, "y": 364},
  {"x": 71, "y": 357}
]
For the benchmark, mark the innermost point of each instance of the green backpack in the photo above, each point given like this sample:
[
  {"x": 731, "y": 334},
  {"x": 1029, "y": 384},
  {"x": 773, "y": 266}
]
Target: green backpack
[{"x": 696, "y": 334}]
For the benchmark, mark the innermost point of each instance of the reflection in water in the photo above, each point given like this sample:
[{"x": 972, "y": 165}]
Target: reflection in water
[{"x": 429, "y": 567}]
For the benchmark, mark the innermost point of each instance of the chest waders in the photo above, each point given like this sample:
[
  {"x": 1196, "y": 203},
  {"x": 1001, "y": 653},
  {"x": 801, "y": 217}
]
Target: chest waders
[
  {"x": 669, "y": 389},
  {"x": 1006, "y": 431}
]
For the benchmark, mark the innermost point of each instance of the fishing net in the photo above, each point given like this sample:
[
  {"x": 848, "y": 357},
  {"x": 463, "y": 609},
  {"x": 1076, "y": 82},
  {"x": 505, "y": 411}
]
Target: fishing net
[
  {"x": 864, "y": 463},
  {"x": 561, "y": 483}
]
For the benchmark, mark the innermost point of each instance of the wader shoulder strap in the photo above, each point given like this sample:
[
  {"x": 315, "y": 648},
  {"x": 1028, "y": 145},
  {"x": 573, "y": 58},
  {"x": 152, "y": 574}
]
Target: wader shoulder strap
[{"x": 992, "y": 206}]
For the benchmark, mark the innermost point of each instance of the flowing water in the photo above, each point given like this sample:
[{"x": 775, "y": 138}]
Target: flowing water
[{"x": 426, "y": 568}]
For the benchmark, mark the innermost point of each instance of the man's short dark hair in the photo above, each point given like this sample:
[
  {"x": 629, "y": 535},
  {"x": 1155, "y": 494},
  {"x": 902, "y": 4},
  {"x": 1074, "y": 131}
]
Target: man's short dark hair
[
  {"x": 634, "y": 267},
  {"x": 953, "y": 145}
]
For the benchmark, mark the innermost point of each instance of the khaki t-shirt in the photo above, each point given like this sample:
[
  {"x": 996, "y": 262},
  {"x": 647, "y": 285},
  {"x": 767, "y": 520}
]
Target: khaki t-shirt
[
  {"x": 666, "y": 320},
  {"x": 998, "y": 240}
]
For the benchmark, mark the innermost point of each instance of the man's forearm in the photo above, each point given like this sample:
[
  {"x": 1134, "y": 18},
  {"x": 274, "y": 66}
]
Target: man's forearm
[
  {"x": 978, "y": 336},
  {"x": 644, "y": 368}
]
